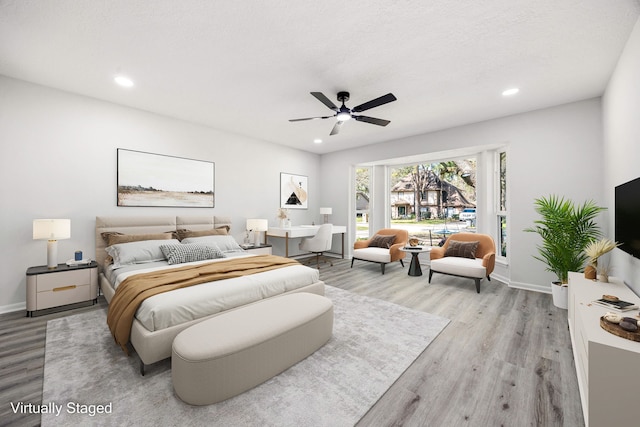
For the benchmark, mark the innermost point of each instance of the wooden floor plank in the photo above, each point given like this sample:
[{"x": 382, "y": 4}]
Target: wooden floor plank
[{"x": 505, "y": 358}]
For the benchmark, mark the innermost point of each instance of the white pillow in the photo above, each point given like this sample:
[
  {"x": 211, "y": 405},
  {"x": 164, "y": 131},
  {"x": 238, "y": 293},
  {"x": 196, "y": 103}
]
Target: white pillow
[
  {"x": 137, "y": 252},
  {"x": 226, "y": 243},
  {"x": 189, "y": 252}
]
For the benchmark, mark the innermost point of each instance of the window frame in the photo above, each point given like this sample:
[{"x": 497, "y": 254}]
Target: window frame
[{"x": 502, "y": 209}]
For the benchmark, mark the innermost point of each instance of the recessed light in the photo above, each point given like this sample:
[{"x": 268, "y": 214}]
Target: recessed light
[
  {"x": 317, "y": 141},
  {"x": 510, "y": 92},
  {"x": 123, "y": 81}
]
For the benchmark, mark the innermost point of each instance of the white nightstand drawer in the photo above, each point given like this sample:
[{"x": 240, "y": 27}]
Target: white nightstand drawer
[
  {"x": 51, "y": 281},
  {"x": 63, "y": 295}
]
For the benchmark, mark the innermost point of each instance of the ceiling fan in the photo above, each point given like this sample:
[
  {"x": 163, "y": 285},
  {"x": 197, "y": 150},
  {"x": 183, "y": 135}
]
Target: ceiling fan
[{"x": 343, "y": 113}]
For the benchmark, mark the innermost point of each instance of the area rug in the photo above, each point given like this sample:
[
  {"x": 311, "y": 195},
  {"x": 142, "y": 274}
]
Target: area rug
[{"x": 91, "y": 381}]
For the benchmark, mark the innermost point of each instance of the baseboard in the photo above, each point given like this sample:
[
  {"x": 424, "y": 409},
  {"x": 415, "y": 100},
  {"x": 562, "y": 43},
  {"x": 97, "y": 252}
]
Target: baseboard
[
  {"x": 13, "y": 307},
  {"x": 499, "y": 278},
  {"x": 530, "y": 287}
]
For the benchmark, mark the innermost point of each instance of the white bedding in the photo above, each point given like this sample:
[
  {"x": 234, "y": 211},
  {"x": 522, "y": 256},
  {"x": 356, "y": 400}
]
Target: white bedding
[{"x": 182, "y": 305}]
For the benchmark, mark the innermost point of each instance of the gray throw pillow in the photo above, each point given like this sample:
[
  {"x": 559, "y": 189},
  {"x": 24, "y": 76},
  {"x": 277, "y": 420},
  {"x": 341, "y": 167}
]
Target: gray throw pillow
[
  {"x": 137, "y": 252},
  {"x": 224, "y": 243}
]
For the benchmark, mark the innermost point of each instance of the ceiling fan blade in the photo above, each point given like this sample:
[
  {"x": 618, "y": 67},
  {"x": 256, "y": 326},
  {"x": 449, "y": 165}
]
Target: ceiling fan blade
[
  {"x": 372, "y": 120},
  {"x": 384, "y": 99},
  {"x": 320, "y": 97},
  {"x": 311, "y": 118},
  {"x": 336, "y": 128}
]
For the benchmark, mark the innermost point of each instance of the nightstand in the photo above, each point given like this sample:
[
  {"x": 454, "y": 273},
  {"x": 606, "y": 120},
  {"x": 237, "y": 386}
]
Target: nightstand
[
  {"x": 47, "y": 288},
  {"x": 258, "y": 250}
]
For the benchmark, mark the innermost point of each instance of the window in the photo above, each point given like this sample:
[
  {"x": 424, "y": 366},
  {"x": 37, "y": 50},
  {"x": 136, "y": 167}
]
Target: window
[
  {"x": 363, "y": 184},
  {"x": 502, "y": 203},
  {"x": 426, "y": 198}
]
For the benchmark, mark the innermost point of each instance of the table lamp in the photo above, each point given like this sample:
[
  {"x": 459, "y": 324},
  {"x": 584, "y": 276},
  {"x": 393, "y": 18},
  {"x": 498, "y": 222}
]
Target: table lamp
[
  {"x": 256, "y": 226},
  {"x": 51, "y": 230},
  {"x": 326, "y": 212}
]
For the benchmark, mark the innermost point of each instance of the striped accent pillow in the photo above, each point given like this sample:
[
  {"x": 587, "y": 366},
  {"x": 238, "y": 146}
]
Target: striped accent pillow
[{"x": 189, "y": 252}]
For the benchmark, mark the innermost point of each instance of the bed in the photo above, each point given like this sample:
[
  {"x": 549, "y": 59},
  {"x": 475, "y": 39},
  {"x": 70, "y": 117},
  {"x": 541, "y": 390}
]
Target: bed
[{"x": 161, "y": 317}]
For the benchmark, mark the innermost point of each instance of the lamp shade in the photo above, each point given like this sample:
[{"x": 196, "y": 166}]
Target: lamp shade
[
  {"x": 51, "y": 229},
  {"x": 325, "y": 211},
  {"x": 257, "y": 224}
]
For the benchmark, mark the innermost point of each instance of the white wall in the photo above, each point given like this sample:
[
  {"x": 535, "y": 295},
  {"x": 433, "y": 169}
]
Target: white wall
[
  {"x": 58, "y": 160},
  {"x": 621, "y": 111},
  {"x": 554, "y": 150}
]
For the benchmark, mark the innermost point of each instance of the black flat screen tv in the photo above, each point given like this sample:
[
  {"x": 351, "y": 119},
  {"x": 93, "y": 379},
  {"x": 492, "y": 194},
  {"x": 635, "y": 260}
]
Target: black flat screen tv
[{"x": 627, "y": 217}]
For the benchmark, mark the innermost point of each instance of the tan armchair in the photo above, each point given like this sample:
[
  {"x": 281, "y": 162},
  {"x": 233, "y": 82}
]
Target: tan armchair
[
  {"x": 375, "y": 249},
  {"x": 463, "y": 262}
]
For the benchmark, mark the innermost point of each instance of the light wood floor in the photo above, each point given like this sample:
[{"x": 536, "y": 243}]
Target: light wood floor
[{"x": 504, "y": 360}]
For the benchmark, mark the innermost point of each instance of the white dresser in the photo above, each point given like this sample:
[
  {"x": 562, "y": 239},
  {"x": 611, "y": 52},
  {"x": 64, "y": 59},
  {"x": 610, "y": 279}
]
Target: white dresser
[{"x": 608, "y": 366}]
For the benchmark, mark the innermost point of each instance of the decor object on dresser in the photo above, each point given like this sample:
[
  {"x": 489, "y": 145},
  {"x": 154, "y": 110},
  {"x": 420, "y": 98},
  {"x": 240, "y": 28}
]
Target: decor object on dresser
[
  {"x": 283, "y": 216},
  {"x": 51, "y": 230},
  {"x": 384, "y": 247},
  {"x": 566, "y": 229},
  {"x": 146, "y": 179},
  {"x": 47, "y": 288},
  {"x": 326, "y": 212},
  {"x": 293, "y": 191},
  {"x": 594, "y": 250},
  {"x": 465, "y": 255},
  {"x": 257, "y": 226},
  {"x": 319, "y": 243}
]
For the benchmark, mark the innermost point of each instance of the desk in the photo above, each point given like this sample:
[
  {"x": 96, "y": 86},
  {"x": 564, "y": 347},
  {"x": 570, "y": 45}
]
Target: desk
[{"x": 302, "y": 231}]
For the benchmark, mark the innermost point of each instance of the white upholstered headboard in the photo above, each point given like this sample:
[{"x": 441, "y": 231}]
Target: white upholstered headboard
[{"x": 152, "y": 224}]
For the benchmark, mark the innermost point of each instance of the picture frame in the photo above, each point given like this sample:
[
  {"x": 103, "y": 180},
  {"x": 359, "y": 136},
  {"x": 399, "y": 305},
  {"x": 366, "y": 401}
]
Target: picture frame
[
  {"x": 294, "y": 191},
  {"x": 158, "y": 180}
]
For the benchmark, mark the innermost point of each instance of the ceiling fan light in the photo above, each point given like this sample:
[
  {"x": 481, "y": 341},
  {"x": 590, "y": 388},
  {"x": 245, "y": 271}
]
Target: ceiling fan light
[{"x": 343, "y": 116}]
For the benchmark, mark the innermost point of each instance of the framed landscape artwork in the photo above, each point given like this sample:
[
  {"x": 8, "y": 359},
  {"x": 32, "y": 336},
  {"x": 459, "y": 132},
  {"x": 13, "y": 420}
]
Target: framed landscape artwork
[
  {"x": 146, "y": 179},
  {"x": 293, "y": 191}
]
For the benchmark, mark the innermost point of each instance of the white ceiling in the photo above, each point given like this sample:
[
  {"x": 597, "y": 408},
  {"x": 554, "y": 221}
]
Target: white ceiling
[{"x": 248, "y": 66}]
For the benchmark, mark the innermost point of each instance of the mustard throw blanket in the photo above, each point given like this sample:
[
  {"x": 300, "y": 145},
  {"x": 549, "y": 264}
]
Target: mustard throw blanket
[{"x": 135, "y": 289}]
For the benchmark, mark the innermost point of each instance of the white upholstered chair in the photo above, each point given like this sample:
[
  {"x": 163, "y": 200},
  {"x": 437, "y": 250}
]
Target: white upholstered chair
[
  {"x": 319, "y": 243},
  {"x": 465, "y": 255},
  {"x": 379, "y": 249}
]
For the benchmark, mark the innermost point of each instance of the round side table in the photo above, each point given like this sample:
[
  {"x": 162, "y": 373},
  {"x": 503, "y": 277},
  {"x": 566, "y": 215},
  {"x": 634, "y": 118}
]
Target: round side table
[{"x": 415, "y": 251}]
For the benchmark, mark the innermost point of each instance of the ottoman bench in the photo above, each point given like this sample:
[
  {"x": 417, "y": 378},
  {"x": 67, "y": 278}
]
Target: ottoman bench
[{"x": 229, "y": 354}]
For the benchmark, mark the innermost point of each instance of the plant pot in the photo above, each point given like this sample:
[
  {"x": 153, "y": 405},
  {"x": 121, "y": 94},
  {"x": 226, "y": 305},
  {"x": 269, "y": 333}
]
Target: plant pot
[
  {"x": 560, "y": 295},
  {"x": 590, "y": 272}
]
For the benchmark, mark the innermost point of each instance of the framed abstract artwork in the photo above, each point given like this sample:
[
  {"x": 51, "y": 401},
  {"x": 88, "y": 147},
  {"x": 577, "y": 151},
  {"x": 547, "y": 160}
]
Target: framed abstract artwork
[
  {"x": 293, "y": 191},
  {"x": 146, "y": 179}
]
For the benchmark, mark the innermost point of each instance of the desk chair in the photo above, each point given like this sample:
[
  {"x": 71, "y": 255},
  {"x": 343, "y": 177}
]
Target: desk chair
[{"x": 319, "y": 243}]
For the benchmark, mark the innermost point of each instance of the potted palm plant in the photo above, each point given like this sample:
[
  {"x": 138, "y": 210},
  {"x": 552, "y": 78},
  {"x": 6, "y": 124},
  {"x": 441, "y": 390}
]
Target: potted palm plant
[{"x": 566, "y": 229}]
